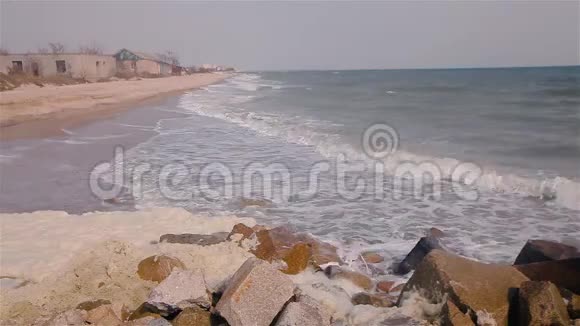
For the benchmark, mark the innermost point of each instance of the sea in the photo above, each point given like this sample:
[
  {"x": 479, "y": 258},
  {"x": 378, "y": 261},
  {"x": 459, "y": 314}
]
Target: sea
[{"x": 368, "y": 159}]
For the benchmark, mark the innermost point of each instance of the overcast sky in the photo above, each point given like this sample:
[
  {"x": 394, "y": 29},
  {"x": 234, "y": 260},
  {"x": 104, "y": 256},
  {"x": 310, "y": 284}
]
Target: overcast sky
[{"x": 309, "y": 35}]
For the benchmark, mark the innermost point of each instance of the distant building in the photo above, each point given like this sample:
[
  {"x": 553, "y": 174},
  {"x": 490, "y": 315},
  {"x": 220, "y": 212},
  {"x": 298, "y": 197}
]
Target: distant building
[
  {"x": 76, "y": 65},
  {"x": 140, "y": 63},
  {"x": 207, "y": 67}
]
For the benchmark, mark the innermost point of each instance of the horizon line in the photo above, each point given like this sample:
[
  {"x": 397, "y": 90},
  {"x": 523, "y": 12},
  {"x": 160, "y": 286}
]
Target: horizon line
[{"x": 420, "y": 68}]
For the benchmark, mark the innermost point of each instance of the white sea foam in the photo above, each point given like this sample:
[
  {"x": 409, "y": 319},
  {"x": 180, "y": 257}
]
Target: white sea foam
[
  {"x": 565, "y": 191},
  {"x": 512, "y": 208},
  {"x": 39, "y": 244}
]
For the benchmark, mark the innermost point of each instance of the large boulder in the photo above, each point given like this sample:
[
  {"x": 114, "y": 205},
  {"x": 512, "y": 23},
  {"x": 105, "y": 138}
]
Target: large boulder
[
  {"x": 298, "y": 258},
  {"x": 563, "y": 273},
  {"x": 181, "y": 286},
  {"x": 265, "y": 248},
  {"x": 277, "y": 243},
  {"x": 382, "y": 300},
  {"x": 540, "y": 303},
  {"x": 385, "y": 286},
  {"x": 155, "y": 310},
  {"x": 356, "y": 278},
  {"x": 475, "y": 288},
  {"x": 370, "y": 257},
  {"x": 193, "y": 316},
  {"x": 452, "y": 316},
  {"x": 535, "y": 251},
  {"x": 435, "y": 232},
  {"x": 157, "y": 268},
  {"x": 305, "y": 312},
  {"x": 285, "y": 239},
  {"x": 103, "y": 315},
  {"x": 240, "y": 232},
  {"x": 416, "y": 255},
  {"x": 255, "y": 294},
  {"x": 148, "y": 321},
  {"x": 574, "y": 307},
  {"x": 196, "y": 239}
]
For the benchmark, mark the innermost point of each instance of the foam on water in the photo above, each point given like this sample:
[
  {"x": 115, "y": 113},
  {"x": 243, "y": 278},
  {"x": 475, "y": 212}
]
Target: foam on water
[
  {"x": 227, "y": 125},
  {"x": 295, "y": 130}
]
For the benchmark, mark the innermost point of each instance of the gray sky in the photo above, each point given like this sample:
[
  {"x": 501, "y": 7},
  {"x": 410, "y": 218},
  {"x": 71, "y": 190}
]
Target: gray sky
[{"x": 309, "y": 35}]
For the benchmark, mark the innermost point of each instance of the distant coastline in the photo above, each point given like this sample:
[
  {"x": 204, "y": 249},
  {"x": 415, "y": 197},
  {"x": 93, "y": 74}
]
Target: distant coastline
[{"x": 32, "y": 111}]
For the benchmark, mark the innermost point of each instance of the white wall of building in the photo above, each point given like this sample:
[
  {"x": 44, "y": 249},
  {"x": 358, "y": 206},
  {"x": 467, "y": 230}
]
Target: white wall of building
[{"x": 77, "y": 65}]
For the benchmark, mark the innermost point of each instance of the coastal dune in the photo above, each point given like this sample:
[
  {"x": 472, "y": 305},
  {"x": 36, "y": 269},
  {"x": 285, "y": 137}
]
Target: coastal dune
[{"x": 32, "y": 103}]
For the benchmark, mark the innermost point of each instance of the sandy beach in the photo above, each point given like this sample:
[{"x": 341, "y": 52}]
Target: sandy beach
[
  {"x": 53, "y": 260},
  {"x": 24, "y": 111}
]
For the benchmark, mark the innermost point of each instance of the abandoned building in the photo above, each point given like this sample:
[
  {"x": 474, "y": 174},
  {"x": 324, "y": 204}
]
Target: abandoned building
[
  {"x": 76, "y": 65},
  {"x": 88, "y": 66},
  {"x": 140, "y": 63}
]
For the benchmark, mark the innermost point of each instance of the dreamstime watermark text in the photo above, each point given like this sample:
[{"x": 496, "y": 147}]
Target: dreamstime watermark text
[{"x": 382, "y": 173}]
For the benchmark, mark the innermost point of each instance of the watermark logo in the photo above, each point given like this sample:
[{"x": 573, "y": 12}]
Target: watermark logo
[
  {"x": 349, "y": 178},
  {"x": 380, "y": 140}
]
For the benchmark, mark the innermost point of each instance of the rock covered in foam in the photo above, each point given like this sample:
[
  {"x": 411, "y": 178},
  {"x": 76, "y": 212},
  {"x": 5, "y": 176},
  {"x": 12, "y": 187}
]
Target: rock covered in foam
[
  {"x": 305, "y": 312},
  {"x": 297, "y": 258},
  {"x": 255, "y": 294},
  {"x": 193, "y": 316},
  {"x": 472, "y": 286},
  {"x": 356, "y": 278},
  {"x": 181, "y": 286},
  {"x": 540, "y": 303},
  {"x": 542, "y": 250},
  {"x": 242, "y": 231},
  {"x": 385, "y": 286},
  {"x": 435, "y": 233},
  {"x": 452, "y": 316},
  {"x": 372, "y": 257},
  {"x": 156, "y": 268},
  {"x": 277, "y": 244},
  {"x": 416, "y": 255},
  {"x": 377, "y": 300},
  {"x": 148, "y": 321}
]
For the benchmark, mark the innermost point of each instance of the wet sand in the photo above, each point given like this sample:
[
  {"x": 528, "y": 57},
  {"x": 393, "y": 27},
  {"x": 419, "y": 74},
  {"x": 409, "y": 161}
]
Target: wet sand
[
  {"x": 52, "y": 173},
  {"x": 34, "y": 112}
]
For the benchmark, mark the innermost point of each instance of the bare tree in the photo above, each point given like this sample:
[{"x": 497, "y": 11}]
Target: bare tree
[
  {"x": 170, "y": 57},
  {"x": 4, "y": 51},
  {"x": 42, "y": 50},
  {"x": 56, "y": 48},
  {"x": 91, "y": 49}
]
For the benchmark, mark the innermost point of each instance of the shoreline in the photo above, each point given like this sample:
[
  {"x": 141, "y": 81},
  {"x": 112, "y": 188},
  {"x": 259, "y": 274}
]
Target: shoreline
[
  {"x": 56, "y": 266},
  {"x": 30, "y": 112}
]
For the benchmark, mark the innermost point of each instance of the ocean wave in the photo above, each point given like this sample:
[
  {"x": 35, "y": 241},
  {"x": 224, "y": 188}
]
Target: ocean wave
[{"x": 561, "y": 190}]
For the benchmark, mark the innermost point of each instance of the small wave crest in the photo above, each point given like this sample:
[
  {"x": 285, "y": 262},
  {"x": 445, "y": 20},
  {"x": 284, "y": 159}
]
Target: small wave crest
[{"x": 315, "y": 133}]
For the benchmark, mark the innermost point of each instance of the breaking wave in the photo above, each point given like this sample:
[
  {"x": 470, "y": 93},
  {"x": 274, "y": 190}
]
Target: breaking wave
[{"x": 298, "y": 130}]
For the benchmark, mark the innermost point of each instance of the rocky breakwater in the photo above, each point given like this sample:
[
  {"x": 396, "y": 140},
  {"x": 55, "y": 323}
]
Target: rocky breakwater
[
  {"x": 259, "y": 276},
  {"x": 540, "y": 288}
]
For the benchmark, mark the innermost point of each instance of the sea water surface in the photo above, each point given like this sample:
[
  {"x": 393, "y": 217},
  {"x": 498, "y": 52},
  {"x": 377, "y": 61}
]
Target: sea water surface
[
  {"x": 520, "y": 127},
  {"x": 516, "y": 129}
]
